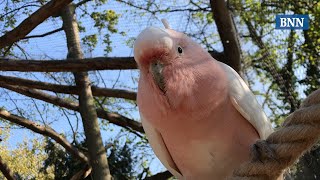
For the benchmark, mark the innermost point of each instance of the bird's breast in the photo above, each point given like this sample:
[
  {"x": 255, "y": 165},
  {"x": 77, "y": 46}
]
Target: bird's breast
[{"x": 211, "y": 146}]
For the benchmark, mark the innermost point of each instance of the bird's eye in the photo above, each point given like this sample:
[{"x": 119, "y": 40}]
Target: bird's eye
[{"x": 179, "y": 50}]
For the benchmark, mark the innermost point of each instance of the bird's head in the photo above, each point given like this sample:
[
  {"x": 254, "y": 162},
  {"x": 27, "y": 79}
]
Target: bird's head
[{"x": 172, "y": 63}]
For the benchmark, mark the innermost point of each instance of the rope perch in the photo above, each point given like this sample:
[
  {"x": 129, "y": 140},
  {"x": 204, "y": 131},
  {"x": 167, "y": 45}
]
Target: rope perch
[{"x": 300, "y": 131}]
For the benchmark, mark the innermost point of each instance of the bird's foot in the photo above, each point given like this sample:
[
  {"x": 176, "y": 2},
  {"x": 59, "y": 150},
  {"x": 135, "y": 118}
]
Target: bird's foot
[{"x": 262, "y": 151}]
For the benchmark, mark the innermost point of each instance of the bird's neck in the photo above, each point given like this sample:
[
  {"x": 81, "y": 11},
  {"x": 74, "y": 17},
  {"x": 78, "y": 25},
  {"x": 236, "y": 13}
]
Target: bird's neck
[{"x": 196, "y": 86}]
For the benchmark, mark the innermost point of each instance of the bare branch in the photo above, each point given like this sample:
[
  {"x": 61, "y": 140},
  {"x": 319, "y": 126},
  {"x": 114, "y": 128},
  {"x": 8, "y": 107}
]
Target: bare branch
[
  {"x": 114, "y": 118},
  {"x": 18, "y": 9},
  {"x": 26, "y": 26},
  {"x": 75, "y": 65},
  {"x": 46, "y": 131},
  {"x": 97, "y": 91},
  {"x": 43, "y": 35},
  {"x": 82, "y": 2},
  {"x": 6, "y": 171}
]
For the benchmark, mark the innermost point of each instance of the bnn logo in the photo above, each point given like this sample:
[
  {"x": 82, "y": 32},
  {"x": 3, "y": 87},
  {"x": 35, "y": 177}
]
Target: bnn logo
[{"x": 296, "y": 21}]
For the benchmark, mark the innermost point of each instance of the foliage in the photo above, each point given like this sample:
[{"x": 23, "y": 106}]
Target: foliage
[
  {"x": 120, "y": 160},
  {"x": 64, "y": 165},
  {"x": 26, "y": 158}
]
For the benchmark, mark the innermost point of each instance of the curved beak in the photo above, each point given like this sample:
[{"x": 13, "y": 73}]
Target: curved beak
[{"x": 156, "y": 69}]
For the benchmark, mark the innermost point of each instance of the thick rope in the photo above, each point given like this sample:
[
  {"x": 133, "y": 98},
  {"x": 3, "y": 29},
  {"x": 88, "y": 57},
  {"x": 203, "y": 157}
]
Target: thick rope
[{"x": 300, "y": 131}]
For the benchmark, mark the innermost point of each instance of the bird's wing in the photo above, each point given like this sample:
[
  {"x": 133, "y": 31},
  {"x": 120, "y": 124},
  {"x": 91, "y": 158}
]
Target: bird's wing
[
  {"x": 245, "y": 102},
  {"x": 159, "y": 148}
]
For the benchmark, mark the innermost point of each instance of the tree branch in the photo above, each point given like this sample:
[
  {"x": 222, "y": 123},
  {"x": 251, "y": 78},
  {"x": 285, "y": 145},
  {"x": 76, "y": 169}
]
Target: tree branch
[
  {"x": 82, "y": 2},
  {"x": 26, "y": 26},
  {"x": 46, "y": 131},
  {"x": 18, "y": 9},
  {"x": 75, "y": 65},
  {"x": 114, "y": 118},
  {"x": 97, "y": 91},
  {"x": 43, "y": 35},
  {"x": 227, "y": 33}
]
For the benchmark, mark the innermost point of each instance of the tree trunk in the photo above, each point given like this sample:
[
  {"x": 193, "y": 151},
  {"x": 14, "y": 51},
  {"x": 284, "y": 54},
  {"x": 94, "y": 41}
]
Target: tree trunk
[
  {"x": 97, "y": 152},
  {"x": 227, "y": 33}
]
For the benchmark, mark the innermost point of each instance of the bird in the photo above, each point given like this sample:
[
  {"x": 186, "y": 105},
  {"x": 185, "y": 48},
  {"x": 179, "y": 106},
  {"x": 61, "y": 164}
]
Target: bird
[{"x": 198, "y": 114}]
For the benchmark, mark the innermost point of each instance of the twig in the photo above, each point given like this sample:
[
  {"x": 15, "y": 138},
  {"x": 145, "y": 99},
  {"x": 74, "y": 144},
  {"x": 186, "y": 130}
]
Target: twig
[{"x": 43, "y": 35}]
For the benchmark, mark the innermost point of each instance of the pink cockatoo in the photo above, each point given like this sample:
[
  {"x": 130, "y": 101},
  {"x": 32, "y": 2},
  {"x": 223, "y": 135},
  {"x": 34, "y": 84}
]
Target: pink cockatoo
[{"x": 199, "y": 116}]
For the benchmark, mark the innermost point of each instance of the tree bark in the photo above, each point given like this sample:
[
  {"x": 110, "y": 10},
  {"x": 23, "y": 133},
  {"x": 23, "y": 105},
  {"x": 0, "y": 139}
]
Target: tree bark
[
  {"x": 227, "y": 33},
  {"x": 97, "y": 152},
  {"x": 77, "y": 65},
  {"x": 66, "y": 89},
  {"x": 26, "y": 26},
  {"x": 72, "y": 65}
]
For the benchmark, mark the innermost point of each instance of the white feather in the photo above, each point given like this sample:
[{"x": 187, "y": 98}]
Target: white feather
[
  {"x": 159, "y": 148},
  {"x": 245, "y": 102}
]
